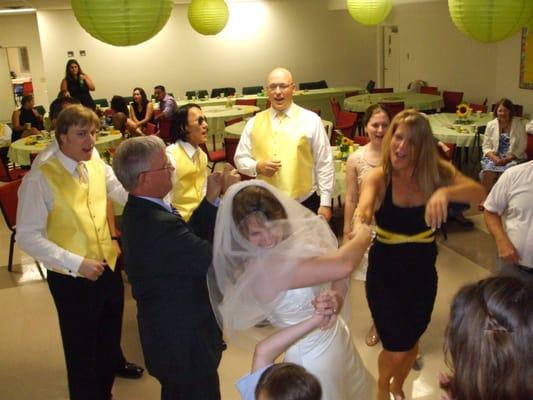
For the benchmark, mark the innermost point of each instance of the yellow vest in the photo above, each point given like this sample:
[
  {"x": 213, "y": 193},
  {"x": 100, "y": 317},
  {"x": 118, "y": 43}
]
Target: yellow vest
[
  {"x": 291, "y": 146},
  {"x": 78, "y": 219},
  {"x": 187, "y": 192}
]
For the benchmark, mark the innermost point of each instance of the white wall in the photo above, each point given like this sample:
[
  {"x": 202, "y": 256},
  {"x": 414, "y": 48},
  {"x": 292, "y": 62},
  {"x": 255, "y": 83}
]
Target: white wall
[
  {"x": 21, "y": 31},
  {"x": 433, "y": 49},
  {"x": 299, "y": 34}
]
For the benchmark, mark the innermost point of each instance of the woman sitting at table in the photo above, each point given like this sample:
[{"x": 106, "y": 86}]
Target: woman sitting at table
[
  {"x": 26, "y": 120},
  {"x": 188, "y": 131},
  {"x": 141, "y": 110},
  {"x": 120, "y": 119},
  {"x": 78, "y": 84},
  {"x": 504, "y": 143}
]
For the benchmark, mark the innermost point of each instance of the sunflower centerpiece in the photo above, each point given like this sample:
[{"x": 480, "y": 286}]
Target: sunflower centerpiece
[
  {"x": 463, "y": 112},
  {"x": 345, "y": 146}
]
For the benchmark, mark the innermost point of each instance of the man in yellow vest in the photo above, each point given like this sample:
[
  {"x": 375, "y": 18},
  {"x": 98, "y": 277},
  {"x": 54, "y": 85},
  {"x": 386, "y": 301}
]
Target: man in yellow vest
[
  {"x": 287, "y": 146},
  {"x": 62, "y": 222}
]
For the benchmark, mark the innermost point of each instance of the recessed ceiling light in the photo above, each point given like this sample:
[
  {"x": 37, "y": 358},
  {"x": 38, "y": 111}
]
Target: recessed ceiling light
[{"x": 17, "y": 10}]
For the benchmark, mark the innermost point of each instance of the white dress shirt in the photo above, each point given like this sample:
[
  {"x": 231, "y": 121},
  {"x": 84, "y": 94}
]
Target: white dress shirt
[
  {"x": 512, "y": 199},
  {"x": 324, "y": 171},
  {"x": 35, "y": 203}
]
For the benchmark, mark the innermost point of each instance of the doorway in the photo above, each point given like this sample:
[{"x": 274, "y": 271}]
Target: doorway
[
  {"x": 390, "y": 56},
  {"x": 18, "y": 61}
]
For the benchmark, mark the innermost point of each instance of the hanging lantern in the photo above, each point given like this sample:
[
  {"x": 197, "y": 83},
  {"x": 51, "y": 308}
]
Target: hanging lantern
[
  {"x": 490, "y": 20},
  {"x": 122, "y": 22},
  {"x": 369, "y": 12},
  {"x": 208, "y": 17}
]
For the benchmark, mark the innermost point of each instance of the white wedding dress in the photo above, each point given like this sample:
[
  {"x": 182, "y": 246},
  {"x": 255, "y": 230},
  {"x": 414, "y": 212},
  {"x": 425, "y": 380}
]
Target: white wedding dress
[{"x": 328, "y": 354}]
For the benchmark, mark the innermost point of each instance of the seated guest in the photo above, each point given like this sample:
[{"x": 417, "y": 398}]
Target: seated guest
[
  {"x": 189, "y": 129},
  {"x": 120, "y": 118},
  {"x": 5, "y": 140},
  {"x": 167, "y": 104},
  {"x": 504, "y": 143},
  {"x": 26, "y": 120},
  {"x": 141, "y": 110},
  {"x": 488, "y": 342}
]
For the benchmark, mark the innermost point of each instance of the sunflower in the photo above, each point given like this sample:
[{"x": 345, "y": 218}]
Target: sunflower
[
  {"x": 345, "y": 140},
  {"x": 463, "y": 110}
]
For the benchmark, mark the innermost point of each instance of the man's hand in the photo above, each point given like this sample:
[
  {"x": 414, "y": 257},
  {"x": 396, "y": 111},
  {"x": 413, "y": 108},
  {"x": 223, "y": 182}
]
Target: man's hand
[
  {"x": 325, "y": 211},
  {"x": 268, "y": 167},
  {"x": 91, "y": 269},
  {"x": 230, "y": 176},
  {"x": 507, "y": 252},
  {"x": 214, "y": 186}
]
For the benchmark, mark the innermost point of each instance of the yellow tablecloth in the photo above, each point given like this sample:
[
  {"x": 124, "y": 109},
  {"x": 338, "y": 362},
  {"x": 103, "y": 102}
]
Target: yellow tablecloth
[
  {"x": 419, "y": 101},
  {"x": 19, "y": 152}
]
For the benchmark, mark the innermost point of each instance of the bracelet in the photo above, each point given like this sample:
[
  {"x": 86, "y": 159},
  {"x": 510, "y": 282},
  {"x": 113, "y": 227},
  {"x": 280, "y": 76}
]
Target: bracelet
[{"x": 114, "y": 238}]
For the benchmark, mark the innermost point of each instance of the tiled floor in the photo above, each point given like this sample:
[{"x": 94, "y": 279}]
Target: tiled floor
[{"x": 31, "y": 359}]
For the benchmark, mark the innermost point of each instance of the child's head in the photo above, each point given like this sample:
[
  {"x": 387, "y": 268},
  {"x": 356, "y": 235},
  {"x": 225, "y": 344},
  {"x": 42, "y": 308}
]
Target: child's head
[
  {"x": 287, "y": 381},
  {"x": 253, "y": 208}
]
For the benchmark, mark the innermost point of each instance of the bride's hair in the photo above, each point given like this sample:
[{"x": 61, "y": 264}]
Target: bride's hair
[{"x": 255, "y": 201}]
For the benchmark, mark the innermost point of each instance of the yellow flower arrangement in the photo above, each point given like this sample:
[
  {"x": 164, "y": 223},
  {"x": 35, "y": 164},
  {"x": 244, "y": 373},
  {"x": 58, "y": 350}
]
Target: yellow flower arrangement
[
  {"x": 463, "y": 110},
  {"x": 344, "y": 144}
]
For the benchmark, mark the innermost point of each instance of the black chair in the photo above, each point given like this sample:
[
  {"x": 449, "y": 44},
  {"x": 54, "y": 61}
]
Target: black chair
[
  {"x": 101, "y": 102},
  {"x": 203, "y": 93},
  {"x": 370, "y": 86},
  {"x": 313, "y": 85},
  {"x": 128, "y": 99},
  {"x": 190, "y": 94},
  {"x": 228, "y": 91},
  {"x": 252, "y": 89}
]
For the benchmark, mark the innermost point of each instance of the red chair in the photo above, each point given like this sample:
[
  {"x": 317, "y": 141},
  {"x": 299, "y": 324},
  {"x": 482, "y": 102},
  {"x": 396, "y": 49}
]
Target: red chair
[
  {"x": 27, "y": 88},
  {"x": 451, "y": 101},
  {"x": 529, "y": 148},
  {"x": 230, "y": 145},
  {"x": 335, "y": 107},
  {"x": 8, "y": 205},
  {"x": 229, "y": 122},
  {"x": 361, "y": 140},
  {"x": 164, "y": 130},
  {"x": 382, "y": 90},
  {"x": 13, "y": 174},
  {"x": 346, "y": 122},
  {"x": 246, "y": 102},
  {"x": 214, "y": 156},
  {"x": 150, "y": 129},
  {"x": 478, "y": 107},
  {"x": 430, "y": 90},
  {"x": 393, "y": 107}
]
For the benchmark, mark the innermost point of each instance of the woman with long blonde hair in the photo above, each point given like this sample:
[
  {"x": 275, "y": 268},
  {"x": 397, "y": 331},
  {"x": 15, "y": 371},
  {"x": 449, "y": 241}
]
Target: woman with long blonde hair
[{"x": 408, "y": 195}]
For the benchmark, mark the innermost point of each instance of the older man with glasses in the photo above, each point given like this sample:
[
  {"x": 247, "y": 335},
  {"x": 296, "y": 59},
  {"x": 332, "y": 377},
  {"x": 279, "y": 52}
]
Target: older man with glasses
[
  {"x": 167, "y": 260},
  {"x": 287, "y": 146}
]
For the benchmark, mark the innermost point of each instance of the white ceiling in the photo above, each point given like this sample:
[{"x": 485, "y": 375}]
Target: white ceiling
[{"x": 48, "y": 4}]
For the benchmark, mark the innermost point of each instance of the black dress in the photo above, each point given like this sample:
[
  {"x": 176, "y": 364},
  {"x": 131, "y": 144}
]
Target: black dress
[
  {"x": 26, "y": 116},
  {"x": 79, "y": 90},
  {"x": 401, "y": 282},
  {"x": 140, "y": 115}
]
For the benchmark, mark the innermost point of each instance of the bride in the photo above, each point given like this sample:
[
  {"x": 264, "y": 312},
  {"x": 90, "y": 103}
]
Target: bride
[{"x": 272, "y": 256}]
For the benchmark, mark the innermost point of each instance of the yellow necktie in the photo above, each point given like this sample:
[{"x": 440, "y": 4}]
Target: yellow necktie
[
  {"x": 82, "y": 175},
  {"x": 281, "y": 116}
]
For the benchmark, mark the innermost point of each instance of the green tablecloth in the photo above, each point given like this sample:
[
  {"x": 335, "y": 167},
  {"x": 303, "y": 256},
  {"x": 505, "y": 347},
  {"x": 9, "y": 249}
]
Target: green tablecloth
[
  {"x": 419, "y": 101},
  {"x": 19, "y": 152},
  {"x": 446, "y": 130},
  {"x": 311, "y": 99}
]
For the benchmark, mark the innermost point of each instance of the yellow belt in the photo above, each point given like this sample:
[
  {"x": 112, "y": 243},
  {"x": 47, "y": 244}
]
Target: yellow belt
[{"x": 388, "y": 237}]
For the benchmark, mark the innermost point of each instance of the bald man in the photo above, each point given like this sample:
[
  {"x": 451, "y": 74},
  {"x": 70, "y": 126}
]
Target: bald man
[{"x": 287, "y": 146}]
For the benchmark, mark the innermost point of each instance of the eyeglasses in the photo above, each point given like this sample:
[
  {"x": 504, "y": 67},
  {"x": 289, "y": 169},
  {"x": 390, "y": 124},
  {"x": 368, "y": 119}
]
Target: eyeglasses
[
  {"x": 281, "y": 86},
  {"x": 200, "y": 120},
  {"x": 168, "y": 166}
]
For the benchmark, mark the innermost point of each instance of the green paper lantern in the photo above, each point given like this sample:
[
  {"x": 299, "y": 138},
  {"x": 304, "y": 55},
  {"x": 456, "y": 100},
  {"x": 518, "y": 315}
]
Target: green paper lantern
[
  {"x": 208, "y": 17},
  {"x": 122, "y": 22},
  {"x": 490, "y": 20},
  {"x": 369, "y": 12}
]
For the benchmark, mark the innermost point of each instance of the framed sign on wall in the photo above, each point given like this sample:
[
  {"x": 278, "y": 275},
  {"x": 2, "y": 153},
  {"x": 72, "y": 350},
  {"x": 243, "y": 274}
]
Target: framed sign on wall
[{"x": 526, "y": 59}]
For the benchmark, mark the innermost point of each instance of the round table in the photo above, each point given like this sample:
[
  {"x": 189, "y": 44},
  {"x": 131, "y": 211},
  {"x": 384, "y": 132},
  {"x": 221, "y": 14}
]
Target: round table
[
  {"x": 19, "y": 152},
  {"x": 419, "y": 101},
  {"x": 446, "y": 129},
  {"x": 237, "y": 128}
]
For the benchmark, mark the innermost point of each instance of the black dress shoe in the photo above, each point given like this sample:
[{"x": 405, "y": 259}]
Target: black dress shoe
[{"x": 129, "y": 371}]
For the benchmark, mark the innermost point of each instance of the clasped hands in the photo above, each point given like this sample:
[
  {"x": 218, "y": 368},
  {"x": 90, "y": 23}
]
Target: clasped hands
[
  {"x": 328, "y": 304},
  {"x": 219, "y": 182}
]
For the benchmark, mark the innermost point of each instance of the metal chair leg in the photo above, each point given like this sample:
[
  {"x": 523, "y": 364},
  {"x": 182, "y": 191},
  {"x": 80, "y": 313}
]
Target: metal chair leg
[
  {"x": 40, "y": 269},
  {"x": 11, "y": 246}
]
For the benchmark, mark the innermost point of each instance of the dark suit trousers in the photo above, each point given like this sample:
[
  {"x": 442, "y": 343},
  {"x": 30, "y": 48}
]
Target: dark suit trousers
[
  {"x": 312, "y": 202},
  {"x": 208, "y": 389},
  {"x": 90, "y": 319}
]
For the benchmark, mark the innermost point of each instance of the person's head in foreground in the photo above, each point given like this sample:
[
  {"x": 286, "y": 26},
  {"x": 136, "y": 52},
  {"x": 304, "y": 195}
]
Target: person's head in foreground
[
  {"x": 189, "y": 124},
  {"x": 409, "y": 147},
  {"x": 287, "y": 381},
  {"x": 254, "y": 210},
  {"x": 489, "y": 341},
  {"x": 142, "y": 166},
  {"x": 76, "y": 128}
]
